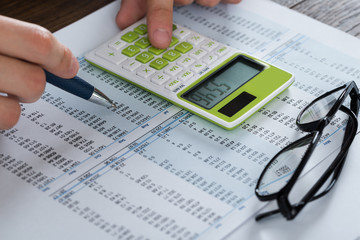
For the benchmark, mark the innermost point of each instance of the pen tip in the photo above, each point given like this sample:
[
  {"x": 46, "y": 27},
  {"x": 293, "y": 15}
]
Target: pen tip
[{"x": 101, "y": 99}]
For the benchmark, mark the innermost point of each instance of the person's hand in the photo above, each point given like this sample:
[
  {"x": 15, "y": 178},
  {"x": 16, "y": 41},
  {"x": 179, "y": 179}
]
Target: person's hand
[
  {"x": 159, "y": 16},
  {"x": 25, "y": 50}
]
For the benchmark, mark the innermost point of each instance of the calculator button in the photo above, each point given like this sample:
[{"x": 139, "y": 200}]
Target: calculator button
[
  {"x": 130, "y": 36},
  {"x": 173, "y": 69},
  {"x": 198, "y": 53},
  {"x": 144, "y": 57},
  {"x": 195, "y": 39},
  {"x": 131, "y": 65},
  {"x": 174, "y": 27},
  {"x": 156, "y": 51},
  {"x": 210, "y": 58},
  {"x": 145, "y": 71},
  {"x": 160, "y": 78},
  {"x": 110, "y": 55},
  {"x": 185, "y": 75},
  {"x": 181, "y": 32},
  {"x": 197, "y": 67},
  {"x": 221, "y": 50},
  {"x": 183, "y": 47},
  {"x": 209, "y": 45},
  {"x": 116, "y": 44},
  {"x": 159, "y": 63},
  {"x": 130, "y": 51},
  {"x": 174, "y": 41},
  {"x": 171, "y": 55},
  {"x": 143, "y": 43},
  {"x": 173, "y": 84},
  {"x": 141, "y": 29},
  {"x": 185, "y": 61}
]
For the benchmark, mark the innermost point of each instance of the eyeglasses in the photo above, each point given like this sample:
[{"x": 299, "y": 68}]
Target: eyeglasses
[{"x": 280, "y": 175}]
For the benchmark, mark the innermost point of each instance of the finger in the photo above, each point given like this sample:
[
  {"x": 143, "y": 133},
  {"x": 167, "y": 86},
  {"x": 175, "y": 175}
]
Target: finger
[
  {"x": 130, "y": 11},
  {"x": 22, "y": 79},
  {"x": 35, "y": 44},
  {"x": 159, "y": 20},
  {"x": 183, "y": 2},
  {"x": 231, "y": 1},
  {"x": 208, "y": 3},
  {"x": 9, "y": 112}
]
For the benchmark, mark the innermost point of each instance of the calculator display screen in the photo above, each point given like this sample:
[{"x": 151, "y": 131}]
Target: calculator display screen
[{"x": 223, "y": 82}]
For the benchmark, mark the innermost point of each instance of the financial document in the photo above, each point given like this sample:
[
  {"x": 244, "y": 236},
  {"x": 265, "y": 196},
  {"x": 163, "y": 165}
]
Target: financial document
[{"x": 151, "y": 170}]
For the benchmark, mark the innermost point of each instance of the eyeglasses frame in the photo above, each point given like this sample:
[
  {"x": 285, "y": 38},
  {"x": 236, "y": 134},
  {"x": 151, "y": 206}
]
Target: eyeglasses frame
[{"x": 315, "y": 128}]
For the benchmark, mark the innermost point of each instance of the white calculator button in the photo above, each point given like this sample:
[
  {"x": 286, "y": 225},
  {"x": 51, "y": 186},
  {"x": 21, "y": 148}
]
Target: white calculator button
[
  {"x": 172, "y": 85},
  {"x": 131, "y": 65},
  {"x": 185, "y": 75},
  {"x": 195, "y": 39},
  {"x": 209, "y": 45},
  {"x": 197, "y": 67},
  {"x": 145, "y": 71},
  {"x": 116, "y": 44},
  {"x": 173, "y": 69},
  {"x": 111, "y": 55},
  {"x": 198, "y": 53},
  {"x": 210, "y": 58},
  {"x": 160, "y": 78},
  {"x": 221, "y": 50},
  {"x": 181, "y": 32},
  {"x": 185, "y": 61}
]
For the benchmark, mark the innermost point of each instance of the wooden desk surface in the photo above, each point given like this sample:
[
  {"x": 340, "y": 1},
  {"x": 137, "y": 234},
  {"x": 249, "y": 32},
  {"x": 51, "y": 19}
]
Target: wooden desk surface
[
  {"x": 341, "y": 14},
  {"x": 56, "y": 14},
  {"x": 51, "y": 14}
]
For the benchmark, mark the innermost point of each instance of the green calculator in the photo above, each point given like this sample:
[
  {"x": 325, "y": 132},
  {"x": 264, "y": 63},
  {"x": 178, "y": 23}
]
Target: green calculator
[{"x": 204, "y": 76}]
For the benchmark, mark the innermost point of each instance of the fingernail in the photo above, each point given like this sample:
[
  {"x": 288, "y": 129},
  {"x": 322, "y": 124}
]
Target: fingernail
[
  {"x": 74, "y": 65},
  {"x": 161, "y": 38}
]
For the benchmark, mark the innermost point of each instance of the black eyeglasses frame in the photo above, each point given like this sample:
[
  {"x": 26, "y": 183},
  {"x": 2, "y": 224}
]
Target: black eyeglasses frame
[{"x": 315, "y": 128}]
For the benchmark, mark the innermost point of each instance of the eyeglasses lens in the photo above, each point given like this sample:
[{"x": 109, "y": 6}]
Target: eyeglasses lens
[
  {"x": 285, "y": 163},
  {"x": 282, "y": 168},
  {"x": 319, "y": 109}
]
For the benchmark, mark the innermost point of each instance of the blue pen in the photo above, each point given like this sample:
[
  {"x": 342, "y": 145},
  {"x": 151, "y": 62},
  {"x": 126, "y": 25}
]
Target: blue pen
[{"x": 80, "y": 88}]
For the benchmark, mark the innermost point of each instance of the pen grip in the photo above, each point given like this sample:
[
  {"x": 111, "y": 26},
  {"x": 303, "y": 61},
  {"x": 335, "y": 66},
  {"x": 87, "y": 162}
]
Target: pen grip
[{"x": 75, "y": 86}]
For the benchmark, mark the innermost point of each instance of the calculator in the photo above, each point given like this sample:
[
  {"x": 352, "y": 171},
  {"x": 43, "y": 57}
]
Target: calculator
[{"x": 204, "y": 76}]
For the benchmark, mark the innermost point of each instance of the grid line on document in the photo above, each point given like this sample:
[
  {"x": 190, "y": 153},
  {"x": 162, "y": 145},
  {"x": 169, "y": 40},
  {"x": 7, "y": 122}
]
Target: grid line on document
[
  {"x": 86, "y": 159},
  {"x": 120, "y": 155},
  {"x": 287, "y": 46}
]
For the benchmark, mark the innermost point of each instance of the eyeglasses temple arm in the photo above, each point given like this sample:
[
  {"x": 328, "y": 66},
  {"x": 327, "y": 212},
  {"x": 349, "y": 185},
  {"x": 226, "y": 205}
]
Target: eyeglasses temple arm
[{"x": 266, "y": 214}]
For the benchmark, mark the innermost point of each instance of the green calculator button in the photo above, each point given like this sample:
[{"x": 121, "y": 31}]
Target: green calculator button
[
  {"x": 174, "y": 27},
  {"x": 183, "y": 47},
  {"x": 143, "y": 43},
  {"x": 144, "y": 57},
  {"x": 159, "y": 63},
  {"x": 130, "y": 36},
  {"x": 156, "y": 51},
  {"x": 130, "y": 51},
  {"x": 174, "y": 41},
  {"x": 171, "y": 55},
  {"x": 141, "y": 29}
]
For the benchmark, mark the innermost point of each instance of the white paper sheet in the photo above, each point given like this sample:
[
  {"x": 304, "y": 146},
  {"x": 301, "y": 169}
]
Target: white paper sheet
[{"x": 150, "y": 170}]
